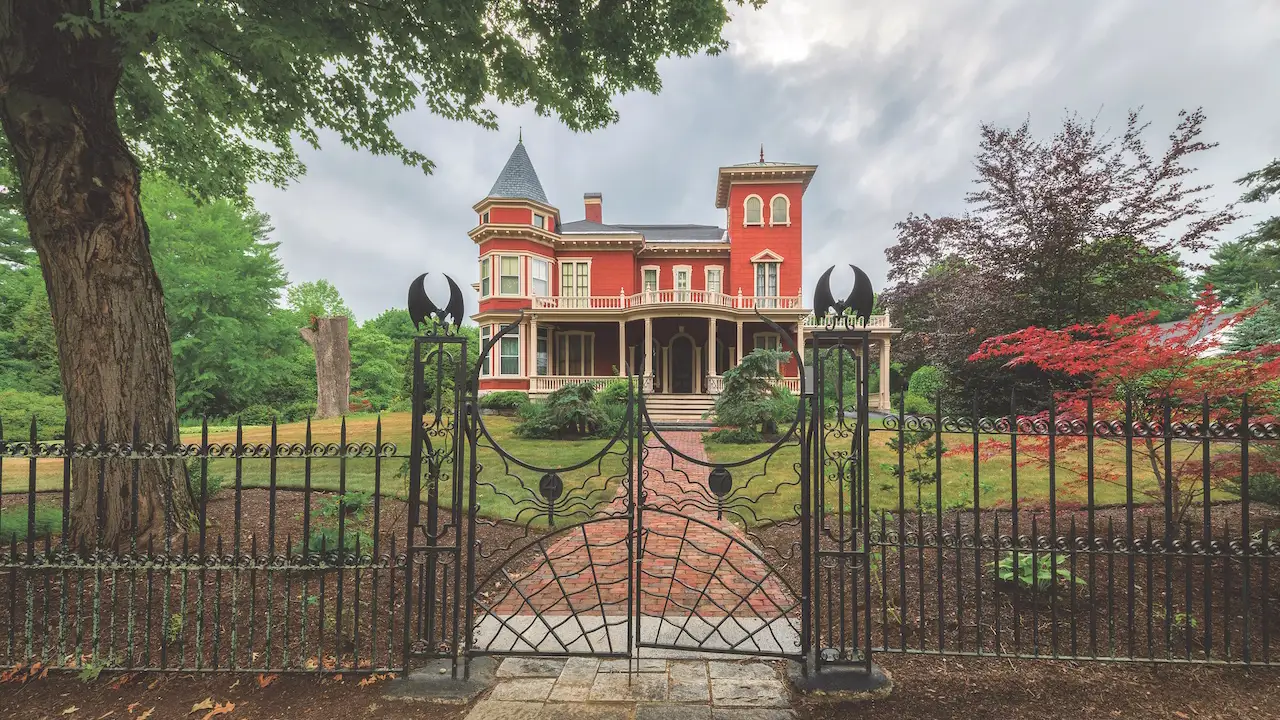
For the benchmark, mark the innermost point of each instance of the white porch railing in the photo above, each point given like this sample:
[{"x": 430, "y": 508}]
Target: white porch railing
[
  {"x": 875, "y": 321},
  {"x": 551, "y": 383},
  {"x": 666, "y": 297}
]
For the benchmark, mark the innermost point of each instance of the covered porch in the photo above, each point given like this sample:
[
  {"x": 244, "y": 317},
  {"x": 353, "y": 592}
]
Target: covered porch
[{"x": 686, "y": 355}]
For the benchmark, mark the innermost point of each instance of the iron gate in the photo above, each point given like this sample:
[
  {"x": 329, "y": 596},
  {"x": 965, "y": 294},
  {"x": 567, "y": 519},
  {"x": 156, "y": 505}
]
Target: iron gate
[{"x": 640, "y": 540}]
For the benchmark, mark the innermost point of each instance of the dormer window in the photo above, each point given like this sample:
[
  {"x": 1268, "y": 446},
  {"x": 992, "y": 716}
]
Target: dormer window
[
  {"x": 779, "y": 210},
  {"x": 540, "y": 221},
  {"x": 753, "y": 211}
]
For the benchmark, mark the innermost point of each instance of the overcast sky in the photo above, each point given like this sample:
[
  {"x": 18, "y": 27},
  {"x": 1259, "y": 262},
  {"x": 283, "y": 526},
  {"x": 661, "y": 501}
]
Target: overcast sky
[{"x": 885, "y": 97}]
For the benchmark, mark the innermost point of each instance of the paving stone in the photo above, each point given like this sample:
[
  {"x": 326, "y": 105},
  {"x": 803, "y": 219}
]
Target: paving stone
[
  {"x": 530, "y": 667},
  {"x": 732, "y": 692},
  {"x": 688, "y": 682},
  {"x": 500, "y": 710},
  {"x": 633, "y": 687},
  {"x": 645, "y": 665},
  {"x": 666, "y": 711},
  {"x": 585, "y": 711},
  {"x": 579, "y": 671},
  {"x": 571, "y": 692},
  {"x": 528, "y": 689},
  {"x": 742, "y": 671},
  {"x": 751, "y": 714}
]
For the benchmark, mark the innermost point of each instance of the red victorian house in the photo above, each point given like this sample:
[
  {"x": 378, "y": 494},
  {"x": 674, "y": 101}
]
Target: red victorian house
[{"x": 594, "y": 293}]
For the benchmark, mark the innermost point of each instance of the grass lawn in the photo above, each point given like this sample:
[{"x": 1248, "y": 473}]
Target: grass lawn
[
  {"x": 505, "y": 489},
  {"x": 994, "y": 476}
]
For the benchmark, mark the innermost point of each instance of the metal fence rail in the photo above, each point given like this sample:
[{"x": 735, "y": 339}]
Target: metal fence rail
[
  {"x": 282, "y": 569},
  {"x": 1087, "y": 558}
]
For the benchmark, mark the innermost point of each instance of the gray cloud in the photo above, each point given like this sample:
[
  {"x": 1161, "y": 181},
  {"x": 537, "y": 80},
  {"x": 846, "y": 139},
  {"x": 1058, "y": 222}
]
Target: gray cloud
[{"x": 885, "y": 97}]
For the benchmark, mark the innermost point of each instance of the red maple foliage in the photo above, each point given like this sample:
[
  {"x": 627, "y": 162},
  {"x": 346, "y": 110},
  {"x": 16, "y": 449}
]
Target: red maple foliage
[{"x": 1156, "y": 375}]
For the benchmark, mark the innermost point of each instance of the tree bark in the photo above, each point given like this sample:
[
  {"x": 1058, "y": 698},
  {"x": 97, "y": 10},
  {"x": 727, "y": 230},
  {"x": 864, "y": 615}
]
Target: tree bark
[
  {"x": 80, "y": 192},
  {"x": 328, "y": 338}
]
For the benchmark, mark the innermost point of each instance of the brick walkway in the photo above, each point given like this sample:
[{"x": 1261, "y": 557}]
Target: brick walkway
[{"x": 700, "y": 583}]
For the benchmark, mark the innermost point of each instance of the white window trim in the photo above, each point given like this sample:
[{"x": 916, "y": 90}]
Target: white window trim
[
  {"x": 766, "y": 255},
  {"x": 573, "y": 261},
  {"x": 513, "y": 335},
  {"x": 484, "y": 218},
  {"x": 588, "y": 363},
  {"x": 534, "y": 221},
  {"x": 675, "y": 272},
  {"x": 486, "y": 261},
  {"x": 535, "y": 259},
  {"x": 785, "y": 199},
  {"x": 519, "y": 275},
  {"x": 706, "y": 277},
  {"x": 657, "y": 274},
  {"x": 758, "y": 261},
  {"x": 486, "y": 367},
  {"x": 746, "y": 200}
]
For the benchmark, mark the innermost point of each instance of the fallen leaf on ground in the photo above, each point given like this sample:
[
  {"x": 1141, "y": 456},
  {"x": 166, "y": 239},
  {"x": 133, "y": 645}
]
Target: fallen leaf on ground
[
  {"x": 221, "y": 709},
  {"x": 10, "y": 674},
  {"x": 70, "y": 710},
  {"x": 122, "y": 681},
  {"x": 205, "y": 704},
  {"x": 265, "y": 680},
  {"x": 153, "y": 684},
  {"x": 106, "y": 714},
  {"x": 146, "y": 714},
  {"x": 132, "y": 707}
]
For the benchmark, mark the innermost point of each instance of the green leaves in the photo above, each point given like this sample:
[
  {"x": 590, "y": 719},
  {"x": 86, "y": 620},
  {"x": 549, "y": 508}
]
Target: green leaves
[{"x": 216, "y": 93}]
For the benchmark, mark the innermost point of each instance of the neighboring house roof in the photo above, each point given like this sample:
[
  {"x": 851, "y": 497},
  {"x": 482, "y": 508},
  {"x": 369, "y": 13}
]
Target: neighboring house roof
[
  {"x": 1214, "y": 326},
  {"x": 518, "y": 179},
  {"x": 650, "y": 233}
]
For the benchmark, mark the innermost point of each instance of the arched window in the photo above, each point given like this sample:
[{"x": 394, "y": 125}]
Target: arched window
[
  {"x": 780, "y": 210},
  {"x": 754, "y": 211}
]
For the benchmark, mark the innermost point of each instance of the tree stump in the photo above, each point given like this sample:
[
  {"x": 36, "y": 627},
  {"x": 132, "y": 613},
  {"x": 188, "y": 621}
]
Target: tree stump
[{"x": 328, "y": 338}]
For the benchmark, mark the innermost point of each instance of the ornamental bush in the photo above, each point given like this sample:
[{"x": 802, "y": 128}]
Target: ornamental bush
[
  {"x": 570, "y": 411},
  {"x": 926, "y": 382},
  {"x": 504, "y": 400},
  {"x": 751, "y": 398}
]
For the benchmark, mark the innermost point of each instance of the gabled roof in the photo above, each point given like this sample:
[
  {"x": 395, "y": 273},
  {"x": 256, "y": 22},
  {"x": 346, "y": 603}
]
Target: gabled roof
[
  {"x": 652, "y": 234},
  {"x": 518, "y": 180}
]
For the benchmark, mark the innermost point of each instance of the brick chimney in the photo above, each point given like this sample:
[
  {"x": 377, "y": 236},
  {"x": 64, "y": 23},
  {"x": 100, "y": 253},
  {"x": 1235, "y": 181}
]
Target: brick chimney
[{"x": 593, "y": 203}]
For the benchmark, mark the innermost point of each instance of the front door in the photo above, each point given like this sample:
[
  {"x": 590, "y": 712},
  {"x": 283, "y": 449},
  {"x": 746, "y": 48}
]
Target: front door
[{"x": 681, "y": 365}]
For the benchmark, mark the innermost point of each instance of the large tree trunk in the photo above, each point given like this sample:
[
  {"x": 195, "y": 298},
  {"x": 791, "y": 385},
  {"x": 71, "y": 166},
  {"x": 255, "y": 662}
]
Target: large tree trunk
[
  {"x": 328, "y": 338},
  {"x": 80, "y": 194}
]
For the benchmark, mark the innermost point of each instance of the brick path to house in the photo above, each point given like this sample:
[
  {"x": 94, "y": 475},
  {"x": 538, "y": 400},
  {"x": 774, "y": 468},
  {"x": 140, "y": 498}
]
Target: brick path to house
[{"x": 691, "y": 563}]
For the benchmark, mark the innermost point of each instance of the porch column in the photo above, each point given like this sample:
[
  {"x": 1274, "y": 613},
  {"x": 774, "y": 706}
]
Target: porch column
[
  {"x": 740, "y": 353},
  {"x": 648, "y": 355},
  {"x": 711, "y": 348},
  {"x": 622, "y": 348},
  {"x": 533, "y": 345},
  {"x": 884, "y": 374},
  {"x": 800, "y": 339}
]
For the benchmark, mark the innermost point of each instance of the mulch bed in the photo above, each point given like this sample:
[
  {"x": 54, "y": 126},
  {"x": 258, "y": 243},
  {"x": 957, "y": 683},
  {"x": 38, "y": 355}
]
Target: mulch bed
[{"x": 924, "y": 687}]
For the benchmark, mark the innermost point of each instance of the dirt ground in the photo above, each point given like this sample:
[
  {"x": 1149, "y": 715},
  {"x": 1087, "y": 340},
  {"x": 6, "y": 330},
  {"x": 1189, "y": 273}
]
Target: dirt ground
[{"x": 925, "y": 687}]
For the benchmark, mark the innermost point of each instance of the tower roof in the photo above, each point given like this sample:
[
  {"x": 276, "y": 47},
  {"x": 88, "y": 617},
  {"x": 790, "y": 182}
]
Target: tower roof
[{"x": 518, "y": 179}]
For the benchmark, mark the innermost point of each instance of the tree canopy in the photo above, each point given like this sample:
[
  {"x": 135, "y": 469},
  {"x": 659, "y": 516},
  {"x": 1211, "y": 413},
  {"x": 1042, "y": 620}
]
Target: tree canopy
[{"x": 1058, "y": 231}]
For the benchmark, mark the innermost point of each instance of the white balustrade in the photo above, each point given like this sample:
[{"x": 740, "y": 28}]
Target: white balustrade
[
  {"x": 666, "y": 297},
  {"x": 551, "y": 383}
]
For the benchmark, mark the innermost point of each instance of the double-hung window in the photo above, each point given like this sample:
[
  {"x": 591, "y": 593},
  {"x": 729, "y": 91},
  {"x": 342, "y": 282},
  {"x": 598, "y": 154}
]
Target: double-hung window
[
  {"x": 650, "y": 283},
  {"x": 509, "y": 354},
  {"x": 539, "y": 277},
  {"x": 575, "y": 283},
  {"x": 509, "y": 282},
  {"x": 713, "y": 282},
  {"x": 485, "y": 334},
  {"x": 485, "y": 279},
  {"x": 682, "y": 284},
  {"x": 767, "y": 284}
]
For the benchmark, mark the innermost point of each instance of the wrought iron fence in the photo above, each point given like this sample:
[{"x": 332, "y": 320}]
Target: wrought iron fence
[
  {"x": 1131, "y": 539},
  {"x": 285, "y": 566}
]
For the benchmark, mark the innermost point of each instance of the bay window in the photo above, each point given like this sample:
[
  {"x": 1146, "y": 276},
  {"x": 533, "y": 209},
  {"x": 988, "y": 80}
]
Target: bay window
[
  {"x": 539, "y": 277},
  {"x": 509, "y": 269},
  {"x": 509, "y": 354},
  {"x": 484, "y": 277}
]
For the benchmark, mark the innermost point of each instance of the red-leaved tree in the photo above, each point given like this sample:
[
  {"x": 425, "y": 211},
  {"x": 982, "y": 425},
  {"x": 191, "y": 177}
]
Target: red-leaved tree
[{"x": 1156, "y": 374}]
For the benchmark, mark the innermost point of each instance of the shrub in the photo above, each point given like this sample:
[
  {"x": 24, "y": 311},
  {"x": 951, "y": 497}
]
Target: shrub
[
  {"x": 919, "y": 404},
  {"x": 258, "y": 415},
  {"x": 326, "y": 540},
  {"x": 571, "y": 410},
  {"x": 749, "y": 397},
  {"x": 615, "y": 392},
  {"x": 927, "y": 381},
  {"x": 1264, "y": 487},
  {"x": 213, "y": 482},
  {"x": 734, "y": 436},
  {"x": 504, "y": 400},
  {"x": 353, "y": 504},
  {"x": 611, "y": 418},
  {"x": 17, "y": 407},
  {"x": 1034, "y": 575},
  {"x": 299, "y": 411}
]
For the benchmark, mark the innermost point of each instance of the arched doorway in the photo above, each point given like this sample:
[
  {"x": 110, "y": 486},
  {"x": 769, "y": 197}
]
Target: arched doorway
[{"x": 681, "y": 364}]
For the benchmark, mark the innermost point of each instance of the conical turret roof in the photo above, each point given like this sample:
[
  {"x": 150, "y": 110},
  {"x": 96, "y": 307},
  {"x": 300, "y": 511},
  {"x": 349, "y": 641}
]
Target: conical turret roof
[{"x": 518, "y": 179}]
